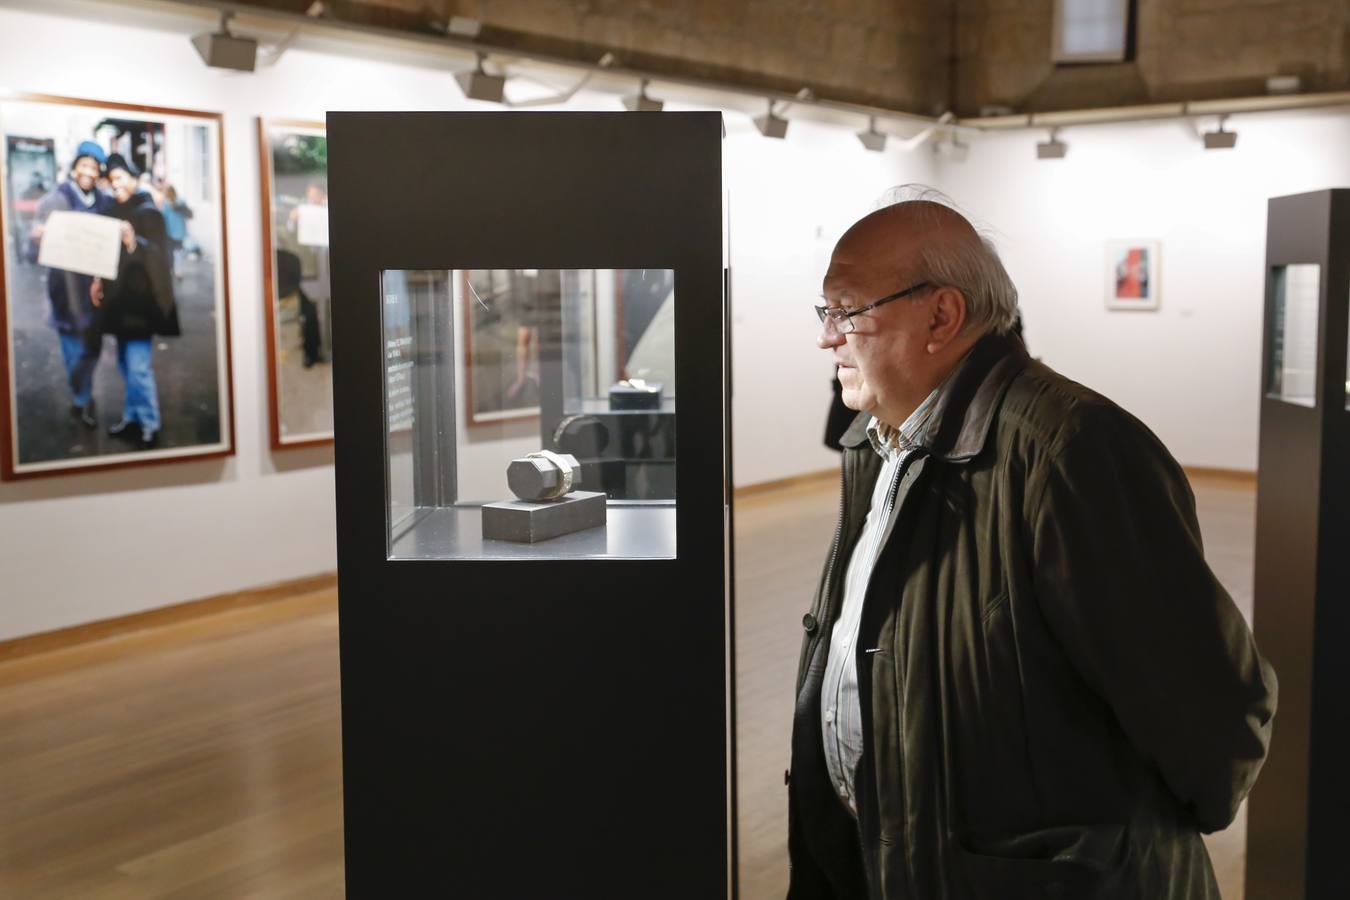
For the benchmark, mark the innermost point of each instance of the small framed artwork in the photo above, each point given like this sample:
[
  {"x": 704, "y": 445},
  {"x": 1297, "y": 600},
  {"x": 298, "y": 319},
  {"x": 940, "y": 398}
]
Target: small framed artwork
[
  {"x": 296, "y": 290},
  {"x": 114, "y": 310},
  {"x": 1132, "y": 275}
]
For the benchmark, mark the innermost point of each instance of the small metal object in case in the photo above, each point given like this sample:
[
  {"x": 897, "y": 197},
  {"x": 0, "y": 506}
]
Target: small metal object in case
[
  {"x": 543, "y": 476},
  {"x": 548, "y": 507}
]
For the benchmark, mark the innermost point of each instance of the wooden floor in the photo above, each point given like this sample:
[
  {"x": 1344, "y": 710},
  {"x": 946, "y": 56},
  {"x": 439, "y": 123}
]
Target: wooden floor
[{"x": 201, "y": 760}]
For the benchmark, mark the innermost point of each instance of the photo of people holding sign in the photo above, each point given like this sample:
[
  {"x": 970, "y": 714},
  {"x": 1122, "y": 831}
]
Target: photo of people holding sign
[
  {"x": 297, "y": 292},
  {"x": 115, "y": 311}
]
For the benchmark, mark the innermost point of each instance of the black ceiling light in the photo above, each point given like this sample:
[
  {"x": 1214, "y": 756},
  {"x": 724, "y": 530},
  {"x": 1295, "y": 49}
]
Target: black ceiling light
[
  {"x": 223, "y": 50},
  {"x": 477, "y": 84}
]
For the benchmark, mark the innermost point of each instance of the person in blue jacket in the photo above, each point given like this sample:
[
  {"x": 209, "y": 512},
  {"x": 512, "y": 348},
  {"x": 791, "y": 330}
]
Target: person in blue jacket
[
  {"x": 176, "y": 213},
  {"x": 72, "y": 311}
]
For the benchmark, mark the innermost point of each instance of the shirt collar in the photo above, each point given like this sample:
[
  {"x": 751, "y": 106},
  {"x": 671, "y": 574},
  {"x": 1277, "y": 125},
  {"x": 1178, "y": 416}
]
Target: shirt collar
[
  {"x": 966, "y": 410},
  {"x": 889, "y": 441}
]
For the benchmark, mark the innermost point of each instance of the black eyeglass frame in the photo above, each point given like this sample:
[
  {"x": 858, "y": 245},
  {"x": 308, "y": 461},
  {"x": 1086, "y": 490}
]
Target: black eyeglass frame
[{"x": 842, "y": 316}]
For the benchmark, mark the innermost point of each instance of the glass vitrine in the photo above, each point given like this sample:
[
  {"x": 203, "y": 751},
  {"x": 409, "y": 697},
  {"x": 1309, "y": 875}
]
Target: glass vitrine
[
  {"x": 489, "y": 368},
  {"x": 1293, "y": 335}
]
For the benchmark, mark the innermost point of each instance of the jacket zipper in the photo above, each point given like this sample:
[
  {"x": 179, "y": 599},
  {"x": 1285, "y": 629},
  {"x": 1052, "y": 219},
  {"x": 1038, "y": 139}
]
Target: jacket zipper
[
  {"x": 827, "y": 589},
  {"x": 838, "y": 541},
  {"x": 891, "y": 495}
]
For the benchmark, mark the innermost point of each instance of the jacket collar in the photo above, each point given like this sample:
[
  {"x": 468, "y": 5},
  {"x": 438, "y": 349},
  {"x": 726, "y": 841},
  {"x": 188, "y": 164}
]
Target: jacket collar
[{"x": 962, "y": 421}]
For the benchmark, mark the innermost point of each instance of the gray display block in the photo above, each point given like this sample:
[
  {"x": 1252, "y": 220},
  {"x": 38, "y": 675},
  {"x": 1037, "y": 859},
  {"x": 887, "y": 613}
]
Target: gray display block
[{"x": 523, "y": 521}]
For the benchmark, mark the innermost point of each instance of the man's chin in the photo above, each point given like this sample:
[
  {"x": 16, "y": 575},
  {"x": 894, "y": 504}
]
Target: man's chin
[{"x": 855, "y": 400}]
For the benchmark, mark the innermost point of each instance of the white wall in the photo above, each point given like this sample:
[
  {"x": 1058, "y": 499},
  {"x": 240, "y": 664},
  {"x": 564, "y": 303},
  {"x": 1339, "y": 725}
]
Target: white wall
[
  {"x": 1191, "y": 370},
  {"x": 790, "y": 201},
  {"x": 85, "y": 547},
  {"x": 80, "y": 548}
]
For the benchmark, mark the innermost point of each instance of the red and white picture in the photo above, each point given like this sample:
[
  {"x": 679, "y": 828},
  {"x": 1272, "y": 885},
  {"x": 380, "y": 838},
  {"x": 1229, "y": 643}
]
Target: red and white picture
[{"x": 1132, "y": 275}]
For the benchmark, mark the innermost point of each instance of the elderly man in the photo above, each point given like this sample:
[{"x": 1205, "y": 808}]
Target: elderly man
[{"x": 1019, "y": 678}]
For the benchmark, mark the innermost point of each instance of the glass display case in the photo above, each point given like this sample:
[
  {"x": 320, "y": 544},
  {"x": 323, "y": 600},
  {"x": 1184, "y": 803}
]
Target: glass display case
[
  {"x": 515, "y": 491},
  {"x": 486, "y": 369},
  {"x": 1293, "y": 334}
]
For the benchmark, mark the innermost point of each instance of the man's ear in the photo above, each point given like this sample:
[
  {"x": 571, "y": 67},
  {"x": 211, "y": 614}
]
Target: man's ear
[{"x": 946, "y": 318}]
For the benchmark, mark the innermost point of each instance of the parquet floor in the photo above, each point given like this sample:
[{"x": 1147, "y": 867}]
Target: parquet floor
[{"x": 201, "y": 759}]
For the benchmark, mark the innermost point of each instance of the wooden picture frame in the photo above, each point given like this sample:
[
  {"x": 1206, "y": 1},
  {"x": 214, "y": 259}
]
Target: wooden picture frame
[
  {"x": 42, "y": 434},
  {"x": 299, "y": 348},
  {"x": 1132, "y": 274}
]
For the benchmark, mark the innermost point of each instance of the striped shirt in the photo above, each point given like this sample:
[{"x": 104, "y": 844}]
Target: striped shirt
[{"x": 840, "y": 714}]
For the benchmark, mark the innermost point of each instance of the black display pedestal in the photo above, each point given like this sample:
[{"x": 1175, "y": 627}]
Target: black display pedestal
[
  {"x": 549, "y": 725},
  {"x": 1299, "y": 814}
]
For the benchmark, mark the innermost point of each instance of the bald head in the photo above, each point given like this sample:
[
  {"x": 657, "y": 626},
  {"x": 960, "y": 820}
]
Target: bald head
[
  {"x": 898, "y": 352},
  {"x": 897, "y": 233}
]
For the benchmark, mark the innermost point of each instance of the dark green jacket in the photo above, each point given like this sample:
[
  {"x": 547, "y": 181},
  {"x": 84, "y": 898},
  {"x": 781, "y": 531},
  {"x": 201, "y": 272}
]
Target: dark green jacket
[{"x": 1058, "y": 695}]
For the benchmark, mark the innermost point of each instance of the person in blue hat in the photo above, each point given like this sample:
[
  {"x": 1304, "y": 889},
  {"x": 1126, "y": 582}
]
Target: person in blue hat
[{"x": 72, "y": 311}]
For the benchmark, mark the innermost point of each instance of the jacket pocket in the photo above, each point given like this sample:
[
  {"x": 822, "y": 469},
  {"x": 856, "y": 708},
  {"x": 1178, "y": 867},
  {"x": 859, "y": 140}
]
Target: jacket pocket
[{"x": 1070, "y": 862}]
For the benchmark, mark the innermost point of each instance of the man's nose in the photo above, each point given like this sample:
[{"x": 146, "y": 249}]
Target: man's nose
[{"x": 829, "y": 336}]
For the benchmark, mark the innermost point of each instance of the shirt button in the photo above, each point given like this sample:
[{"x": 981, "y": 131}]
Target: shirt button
[
  {"x": 829, "y": 715},
  {"x": 809, "y": 623}
]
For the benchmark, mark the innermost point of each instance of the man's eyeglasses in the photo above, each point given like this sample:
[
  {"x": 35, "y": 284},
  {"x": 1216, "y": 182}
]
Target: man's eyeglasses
[{"x": 841, "y": 317}]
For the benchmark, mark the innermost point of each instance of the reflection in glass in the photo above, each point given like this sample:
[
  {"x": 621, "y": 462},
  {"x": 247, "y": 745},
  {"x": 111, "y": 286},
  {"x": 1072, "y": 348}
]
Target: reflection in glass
[
  {"x": 488, "y": 366},
  {"x": 616, "y": 409},
  {"x": 405, "y": 295},
  {"x": 501, "y": 341},
  {"x": 1293, "y": 347}
]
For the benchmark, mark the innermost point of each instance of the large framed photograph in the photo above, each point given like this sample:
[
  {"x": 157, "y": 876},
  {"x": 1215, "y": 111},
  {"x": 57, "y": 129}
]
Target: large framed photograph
[
  {"x": 294, "y": 163},
  {"x": 1132, "y": 275},
  {"x": 115, "y": 310}
]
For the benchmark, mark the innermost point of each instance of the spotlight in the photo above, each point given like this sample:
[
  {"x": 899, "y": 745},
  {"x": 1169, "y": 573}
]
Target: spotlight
[
  {"x": 640, "y": 102},
  {"x": 1220, "y": 140},
  {"x": 771, "y": 125},
  {"x": 479, "y": 85},
  {"x": 1053, "y": 148},
  {"x": 222, "y": 50},
  {"x": 871, "y": 138}
]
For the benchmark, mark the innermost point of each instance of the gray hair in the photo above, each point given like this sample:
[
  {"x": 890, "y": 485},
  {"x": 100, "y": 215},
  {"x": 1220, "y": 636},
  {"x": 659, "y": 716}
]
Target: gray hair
[{"x": 971, "y": 266}]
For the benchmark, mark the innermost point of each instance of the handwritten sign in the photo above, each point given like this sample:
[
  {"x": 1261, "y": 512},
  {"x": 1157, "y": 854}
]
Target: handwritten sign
[
  {"x": 312, "y": 225},
  {"x": 82, "y": 242}
]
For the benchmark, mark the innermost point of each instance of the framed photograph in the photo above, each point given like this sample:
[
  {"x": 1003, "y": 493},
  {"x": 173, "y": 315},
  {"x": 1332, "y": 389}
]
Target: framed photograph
[
  {"x": 1132, "y": 275},
  {"x": 115, "y": 307},
  {"x": 503, "y": 309},
  {"x": 297, "y": 291}
]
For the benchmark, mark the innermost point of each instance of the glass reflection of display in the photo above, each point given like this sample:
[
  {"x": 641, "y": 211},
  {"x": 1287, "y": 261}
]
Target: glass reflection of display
[
  {"x": 1293, "y": 338},
  {"x": 486, "y": 366}
]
